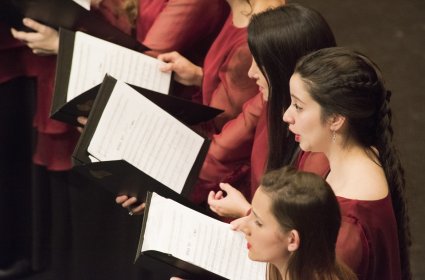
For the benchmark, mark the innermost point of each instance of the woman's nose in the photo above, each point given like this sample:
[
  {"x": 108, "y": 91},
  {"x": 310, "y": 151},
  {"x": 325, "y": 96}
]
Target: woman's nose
[
  {"x": 244, "y": 225},
  {"x": 252, "y": 74},
  {"x": 287, "y": 116}
]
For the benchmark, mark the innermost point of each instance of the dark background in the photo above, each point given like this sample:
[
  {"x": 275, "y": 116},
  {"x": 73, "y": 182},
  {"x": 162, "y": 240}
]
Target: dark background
[{"x": 392, "y": 33}]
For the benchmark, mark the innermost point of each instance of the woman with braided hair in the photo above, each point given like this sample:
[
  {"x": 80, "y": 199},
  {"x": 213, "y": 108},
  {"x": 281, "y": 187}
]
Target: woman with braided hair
[{"x": 339, "y": 106}]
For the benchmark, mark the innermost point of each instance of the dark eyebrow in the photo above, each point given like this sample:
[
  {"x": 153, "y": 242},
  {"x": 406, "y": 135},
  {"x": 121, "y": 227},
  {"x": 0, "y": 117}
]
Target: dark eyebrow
[{"x": 299, "y": 100}]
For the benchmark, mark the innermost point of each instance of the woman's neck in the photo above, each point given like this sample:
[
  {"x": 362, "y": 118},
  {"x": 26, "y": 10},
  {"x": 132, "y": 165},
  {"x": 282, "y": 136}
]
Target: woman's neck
[
  {"x": 342, "y": 159},
  {"x": 242, "y": 11},
  {"x": 281, "y": 267}
]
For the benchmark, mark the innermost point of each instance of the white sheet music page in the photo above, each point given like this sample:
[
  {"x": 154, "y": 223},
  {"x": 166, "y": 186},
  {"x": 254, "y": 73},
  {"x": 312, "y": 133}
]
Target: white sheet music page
[
  {"x": 196, "y": 238},
  {"x": 135, "y": 129},
  {"x": 83, "y": 3},
  {"x": 93, "y": 58}
]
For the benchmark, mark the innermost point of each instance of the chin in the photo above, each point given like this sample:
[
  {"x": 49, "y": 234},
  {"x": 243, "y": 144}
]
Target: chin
[
  {"x": 252, "y": 256},
  {"x": 304, "y": 147}
]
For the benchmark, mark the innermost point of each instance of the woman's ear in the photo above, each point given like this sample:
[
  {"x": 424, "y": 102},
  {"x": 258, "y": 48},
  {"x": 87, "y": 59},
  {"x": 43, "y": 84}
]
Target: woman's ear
[
  {"x": 293, "y": 240},
  {"x": 336, "y": 122}
]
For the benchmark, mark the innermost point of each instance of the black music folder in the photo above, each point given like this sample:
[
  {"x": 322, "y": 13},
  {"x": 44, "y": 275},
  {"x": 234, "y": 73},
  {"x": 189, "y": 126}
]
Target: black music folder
[
  {"x": 82, "y": 63},
  {"x": 66, "y": 14},
  {"x": 130, "y": 146},
  {"x": 179, "y": 241}
]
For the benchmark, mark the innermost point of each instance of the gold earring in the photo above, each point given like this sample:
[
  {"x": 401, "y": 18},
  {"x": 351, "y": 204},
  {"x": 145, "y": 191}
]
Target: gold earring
[{"x": 333, "y": 136}]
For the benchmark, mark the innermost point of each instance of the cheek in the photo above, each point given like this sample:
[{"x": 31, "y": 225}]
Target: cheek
[{"x": 266, "y": 248}]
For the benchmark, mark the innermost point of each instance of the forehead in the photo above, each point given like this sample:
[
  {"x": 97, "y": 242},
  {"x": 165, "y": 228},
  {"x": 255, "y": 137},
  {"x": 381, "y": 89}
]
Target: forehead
[
  {"x": 297, "y": 85},
  {"x": 262, "y": 208},
  {"x": 299, "y": 90},
  {"x": 261, "y": 204}
]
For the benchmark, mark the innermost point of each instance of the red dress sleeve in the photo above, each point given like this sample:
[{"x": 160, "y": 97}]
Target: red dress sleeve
[
  {"x": 235, "y": 87},
  {"x": 180, "y": 25},
  {"x": 352, "y": 245},
  {"x": 228, "y": 157},
  {"x": 260, "y": 151},
  {"x": 184, "y": 22},
  {"x": 368, "y": 239}
]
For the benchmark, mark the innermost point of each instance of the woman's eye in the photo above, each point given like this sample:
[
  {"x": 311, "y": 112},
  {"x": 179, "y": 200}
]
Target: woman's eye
[
  {"x": 258, "y": 223},
  {"x": 298, "y": 108}
]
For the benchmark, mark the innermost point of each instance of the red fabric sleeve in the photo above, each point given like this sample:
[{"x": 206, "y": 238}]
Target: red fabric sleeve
[
  {"x": 235, "y": 87},
  {"x": 260, "y": 151},
  {"x": 183, "y": 22},
  {"x": 352, "y": 246},
  {"x": 228, "y": 158},
  {"x": 234, "y": 143}
]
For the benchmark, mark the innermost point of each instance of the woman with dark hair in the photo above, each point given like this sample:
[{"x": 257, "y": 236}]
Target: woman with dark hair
[
  {"x": 277, "y": 39},
  {"x": 293, "y": 225},
  {"x": 340, "y": 107}
]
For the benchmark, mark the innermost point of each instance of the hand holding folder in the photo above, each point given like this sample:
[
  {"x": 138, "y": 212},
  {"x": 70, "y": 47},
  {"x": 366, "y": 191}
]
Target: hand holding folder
[
  {"x": 83, "y": 61},
  {"x": 66, "y": 14},
  {"x": 44, "y": 40}
]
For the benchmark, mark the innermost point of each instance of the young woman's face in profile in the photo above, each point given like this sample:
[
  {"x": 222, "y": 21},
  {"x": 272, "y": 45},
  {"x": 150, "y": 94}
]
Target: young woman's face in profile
[
  {"x": 255, "y": 73},
  {"x": 266, "y": 241},
  {"x": 304, "y": 118}
]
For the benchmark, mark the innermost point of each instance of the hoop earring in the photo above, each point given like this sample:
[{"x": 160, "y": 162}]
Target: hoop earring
[{"x": 333, "y": 136}]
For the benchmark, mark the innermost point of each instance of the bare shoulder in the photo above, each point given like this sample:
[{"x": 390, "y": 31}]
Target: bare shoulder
[{"x": 367, "y": 182}]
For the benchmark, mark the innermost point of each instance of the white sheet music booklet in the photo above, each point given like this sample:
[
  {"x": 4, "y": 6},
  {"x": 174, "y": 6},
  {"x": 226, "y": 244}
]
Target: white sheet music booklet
[
  {"x": 93, "y": 57},
  {"x": 193, "y": 237},
  {"x": 135, "y": 129}
]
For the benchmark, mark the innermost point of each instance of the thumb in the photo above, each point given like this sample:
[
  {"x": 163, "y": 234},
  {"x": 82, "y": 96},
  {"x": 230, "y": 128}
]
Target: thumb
[
  {"x": 226, "y": 187},
  {"x": 168, "y": 67},
  {"x": 167, "y": 57}
]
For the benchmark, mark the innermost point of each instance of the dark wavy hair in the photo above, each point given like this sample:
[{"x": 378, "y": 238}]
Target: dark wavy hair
[
  {"x": 305, "y": 202},
  {"x": 277, "y": 38},
  {"x": 348, "y": 83}
]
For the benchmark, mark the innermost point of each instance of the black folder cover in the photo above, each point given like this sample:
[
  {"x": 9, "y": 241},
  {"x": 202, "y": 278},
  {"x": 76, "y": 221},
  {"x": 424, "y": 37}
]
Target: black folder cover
[
  {"x": 184, "y": 110},
  {"x": 66, "y": 14},
  {"x": 119, "y": 176},
  {"x": 171, "y": 266}
]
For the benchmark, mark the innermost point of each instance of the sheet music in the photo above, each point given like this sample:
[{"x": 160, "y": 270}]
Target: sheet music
[
  {"x": 94, "y": 57},
  {"x": 83, "y": 3},
  {"x": 193, "y": 237},
  {"x": 136, "y": 130}
]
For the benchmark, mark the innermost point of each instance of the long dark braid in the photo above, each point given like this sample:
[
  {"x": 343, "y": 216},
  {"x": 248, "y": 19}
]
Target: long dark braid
[{"x": 388, "y": 156}]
